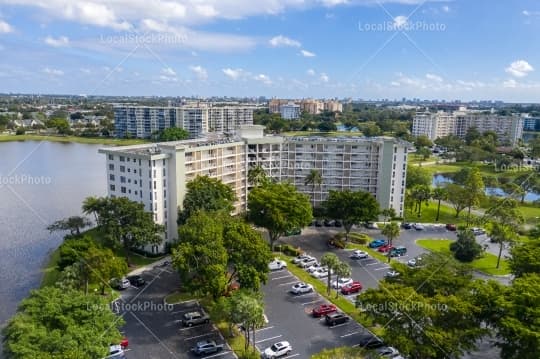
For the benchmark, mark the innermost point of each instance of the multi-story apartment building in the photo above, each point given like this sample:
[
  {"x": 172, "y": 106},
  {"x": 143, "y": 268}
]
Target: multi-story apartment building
[
  {"x": 275, "y": 104},
  {"x": 197, "y": 119},
  {"x": 311, "y": 106},
  {"x": 333, "y": 106},
  {"x": 157, "y": 174},
  {"x": 531, "y": 123},
  {"x": 290, "y": 111},
  {"x": 440, "y": 124}
]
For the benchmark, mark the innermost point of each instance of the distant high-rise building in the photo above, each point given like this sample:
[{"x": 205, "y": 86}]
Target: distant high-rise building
[
  {"x": 290, "y": 111},
  {"x": 509, "y": 129},
  {"x": 194, "y": 117}
]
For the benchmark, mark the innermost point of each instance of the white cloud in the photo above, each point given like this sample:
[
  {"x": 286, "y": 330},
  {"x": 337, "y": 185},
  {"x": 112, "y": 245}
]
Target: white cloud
[
  {"x": 446, "y": 8},
  {"x": 200, "y": 72},
  {"x": 519, "y": 68},
  {"x": 306, "y": 53},
  {"x": 233, "y": 73},
  {"x": 59, "y": 42},
  {"x": 433, "y": 77},
  {"x": 85, "y": 70},
  {"x": 263, "y": 78},
  {"x": 281, "y": 40},
  {"x": 168, "y": 71},
  {"x": 324, "y": 77},
  {"x": 400, "y": 21},
  {"x": 54, "y": 72},
  {"x": 206, "y": 10},
  {"x": 93, "y": 14},
  {"x": 5, "y": 27},
  {"x": 166, "y": 78},
  {"x": 310, "y": 72}
]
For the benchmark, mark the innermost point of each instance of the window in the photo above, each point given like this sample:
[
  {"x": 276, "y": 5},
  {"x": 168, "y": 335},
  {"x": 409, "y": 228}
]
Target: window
[
  {"x": 150, "y": 196},
  {"x": 129, "y": 170},
  {"x": 111, "y": 177},
  {"x": 129, "y": 180},
  {"x": 111, "y": 157},
  {"x": 134, "y": 170},
  {"x": 154, "y": 173},
  {"x": 163, "y": 164},
  {"x": 123, "y": 189},
  {"x": 165, "y": 193},
  {"x": 111, "y": 167},
  {"x": 112, "y": 187},
  {"x": 134, "y": 160},
  {"x": 135, "y": 181},
  {"x": 122, "y": 179},
  {"x": 164, "y": 183},
  {"x": 149, "y": 173},
  {"x": 155, "y": 185},
  {"x": 122, "y": 159},
  {"x": 122, "y": 169},
  {"x": 153, "y": 163},
  {"x": 129, "y": 191},
  {"x": 164, "y": 204},
  {"x": 164, "y": 172}
]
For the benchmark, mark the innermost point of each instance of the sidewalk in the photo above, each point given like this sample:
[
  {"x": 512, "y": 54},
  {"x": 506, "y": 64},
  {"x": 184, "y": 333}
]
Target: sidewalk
[{"x": 158, "y": 263}]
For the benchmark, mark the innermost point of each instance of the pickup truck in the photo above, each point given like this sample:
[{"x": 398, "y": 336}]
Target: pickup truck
[
  {"x": 206, "y": 347},
  {"x": 195, "y": 318}
]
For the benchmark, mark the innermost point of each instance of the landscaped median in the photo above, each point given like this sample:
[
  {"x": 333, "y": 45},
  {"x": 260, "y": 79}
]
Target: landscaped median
[
  {"x": 345, "y": 305},
  {"x": 487, "y": 264}
]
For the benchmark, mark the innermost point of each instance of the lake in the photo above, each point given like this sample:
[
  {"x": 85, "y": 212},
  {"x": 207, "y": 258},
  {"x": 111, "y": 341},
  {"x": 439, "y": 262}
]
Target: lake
[
  {"x": 40, "y": 182},
  {"x": 439, "y": 180}
]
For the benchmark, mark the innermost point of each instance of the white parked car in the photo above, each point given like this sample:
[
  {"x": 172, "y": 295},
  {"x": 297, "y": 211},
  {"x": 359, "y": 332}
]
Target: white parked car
[
  {"x": 116, "y": 352},
  {"x": 358, "y": 254},
  {"x": 388, "y": 352},
  {"x": 314, "y": 267},
  {"x": 419, "y": 226},
  {"x": 277, "y": 264},
  {"x": 392, "y": 274},
  {"x": 300, "y": 258},
  {"x": 415, "y": 262},
  {"x": 301, "y": 288},
  {"x": 120, "y": 283},
  {"x": 337, "y": 284},
  {"x": 277, "y": 350},
  {"x": 308, "y": 262},
  {"x": 321, "y": 273},
  {"x": 372, "y": 225}
]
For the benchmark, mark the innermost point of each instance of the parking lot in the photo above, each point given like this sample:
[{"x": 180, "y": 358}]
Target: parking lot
[
  {"x": 289, "y": 319},
  {"x": 154, "y": 329}
]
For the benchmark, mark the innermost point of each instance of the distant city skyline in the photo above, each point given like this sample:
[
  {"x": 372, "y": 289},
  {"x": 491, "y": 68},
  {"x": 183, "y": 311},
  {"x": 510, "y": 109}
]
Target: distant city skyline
[{"x": 386, "y": 49}]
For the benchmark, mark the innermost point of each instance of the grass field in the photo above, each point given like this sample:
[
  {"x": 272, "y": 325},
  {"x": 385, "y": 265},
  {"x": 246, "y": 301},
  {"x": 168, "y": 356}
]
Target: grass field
[
  {"x": 487, "y": 264},
  {"x": 429, "y": 214},
  {"x": 76, "y": 139}
]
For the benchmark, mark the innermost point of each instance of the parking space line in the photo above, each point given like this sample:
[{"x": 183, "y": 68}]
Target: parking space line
[
  {"x": 259, "y": 330},
  {"x": 285, "y": 276},
  {"x": 339, "y": 325},
  {"x": 218, "y": 354},
  {"x": 288, "y": 283},
  {"x": 292, "y": 356},
  {"x": 382, "y": 268},
  {"x": 312, "y": 302},
  {"x": 373, "y": 264},
  {"x": 200, "y": 336},
  {"x": 267, "y": 339},
  {"x": 349, "y": 334}
]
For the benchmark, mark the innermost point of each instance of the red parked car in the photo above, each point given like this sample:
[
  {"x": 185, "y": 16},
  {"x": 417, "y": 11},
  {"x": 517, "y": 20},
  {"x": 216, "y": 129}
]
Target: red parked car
[
  {"x": 385, "y": 248},
  {"x": 351, "y": 288},
  {"x": 451, "y": 227},
  {"x": 323, "y": 310},
  {"x": 124, "y": 343}
]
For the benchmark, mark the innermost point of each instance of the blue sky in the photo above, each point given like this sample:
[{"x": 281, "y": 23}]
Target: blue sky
[{"x": 462, "y": 49}]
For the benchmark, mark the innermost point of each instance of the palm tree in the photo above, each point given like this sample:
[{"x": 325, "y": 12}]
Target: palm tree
[
  {"x": 314, "y": 178},
  {"x": 388, "y": 213},
  {"x": 439, "y": 194},
  {"x": 501, "y": 234},
  {"x": 342, "y": 270},
  {"x": 93, "y": 205},
  {"x": 257, "y": 176},
  {"x": 390, "y": 231},
  {"x": 331, "y": 261},
  {"x": 420, "y": 194}
]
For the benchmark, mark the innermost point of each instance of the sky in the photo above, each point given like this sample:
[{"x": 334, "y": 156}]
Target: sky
[{"x": 369, "y": 49}]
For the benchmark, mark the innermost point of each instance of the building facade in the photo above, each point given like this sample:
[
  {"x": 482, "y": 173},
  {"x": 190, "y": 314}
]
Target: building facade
[
  {"x": 197, "y": 119},
  {"x": 440, "y": 124},
  {"x": 157, "y": 174},
  {"x": 290, "y": 111}
]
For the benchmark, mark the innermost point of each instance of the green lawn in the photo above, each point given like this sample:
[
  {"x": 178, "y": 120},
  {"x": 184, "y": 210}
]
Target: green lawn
[
  {"x": 414, "y": 158},
  {"x": 487, "y": 264},
  {"x": 178, "y": 297},
  {"x": 429, "y": 214},
  {"x": 86, "y": 140},
  {"x": 530, "y": 213}
]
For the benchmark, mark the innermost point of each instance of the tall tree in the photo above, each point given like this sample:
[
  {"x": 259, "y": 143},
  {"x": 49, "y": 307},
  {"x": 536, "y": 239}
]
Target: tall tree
[
  {"x": 420, "y": 194},
  {"x": 466, "y": 249},
  {"x": 342, "y": 270},
  {"x": 474, "y": 187},
  {"x": 331, "y": 261},
  {"x": 279, "y": 208},
  {"x": 61, "y": 323},
  {"x": 502, "y": 235},
  {"x": 529, "y": 182},
  {"x": 207, "y": 194},
  {"x": 94, "y": 205},
  {"x": 391, "y": 231},
  {"x": 458, "y": 199},
  {"x": 418, "y": 176},
  {"x": 172, "y": 134},
  {"x": 388, "y": 213},
  {"x": 422, "y": 141},
  {"x": 257, "y": 176},
  {"x": 525, "y": 258},
  {"x": 314, "y": 178},
  {"x": 101, "y": 265},
  {"x": 518, "y": 327},
  {"x": 439, "y": 194},
  {"x": 72, "y": 224},
  {"x": 351, "y": 208}
]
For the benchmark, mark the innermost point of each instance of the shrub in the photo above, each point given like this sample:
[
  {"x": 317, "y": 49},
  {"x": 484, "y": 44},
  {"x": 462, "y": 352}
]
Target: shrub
[
  {"x": 466, "y": 249},
  {"x": 288, "y": 250},
  {"x": 359, "y": 238},
  {"x": 337, "y": 242},
  {"x": 20, "y": 131}
]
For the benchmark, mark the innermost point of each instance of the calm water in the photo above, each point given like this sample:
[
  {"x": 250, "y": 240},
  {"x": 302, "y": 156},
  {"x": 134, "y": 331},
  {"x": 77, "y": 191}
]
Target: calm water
[{"x": 40, "y": 183}]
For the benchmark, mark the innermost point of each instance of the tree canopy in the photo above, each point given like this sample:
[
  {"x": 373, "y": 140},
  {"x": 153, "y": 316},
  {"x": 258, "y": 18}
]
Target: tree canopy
[{"x": 172, "y": 134}]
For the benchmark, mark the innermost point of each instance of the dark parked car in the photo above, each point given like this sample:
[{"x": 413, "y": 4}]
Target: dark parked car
[
  {"x": 195, "y": 318},
  {"x": 328, "y": 222},
  {"x": 371, "y": 343},
  {"x": 338, "y": 223},
  {"x": 318, "y": 223},
  {"x": 398, "y": 251},
  {"x": 136, "y": 280},
  {"x": 406, "y": 226},
  {"x": 336, "y": 318},
  {"x": 206, "y": 347}
]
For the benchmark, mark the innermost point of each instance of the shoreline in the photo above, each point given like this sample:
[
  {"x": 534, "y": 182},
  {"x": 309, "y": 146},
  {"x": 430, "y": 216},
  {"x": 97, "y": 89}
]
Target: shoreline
[{"x": 72, "y": 139}]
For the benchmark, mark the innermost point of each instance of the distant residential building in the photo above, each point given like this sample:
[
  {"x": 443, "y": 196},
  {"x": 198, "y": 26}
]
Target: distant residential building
[
  {"x": 156, "y": 174},
  {"x": 27, "y": 123},
  {"x": 333, "y": 106},
  {"x": 290, "y": 111},
  {"x": 531, "y": 123},
  {"x": 274, "y": 106},
  {"x": 197, "y": 119},
  {"x": 311, "y": 106},
  {"x": 440, "y": 124}
]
